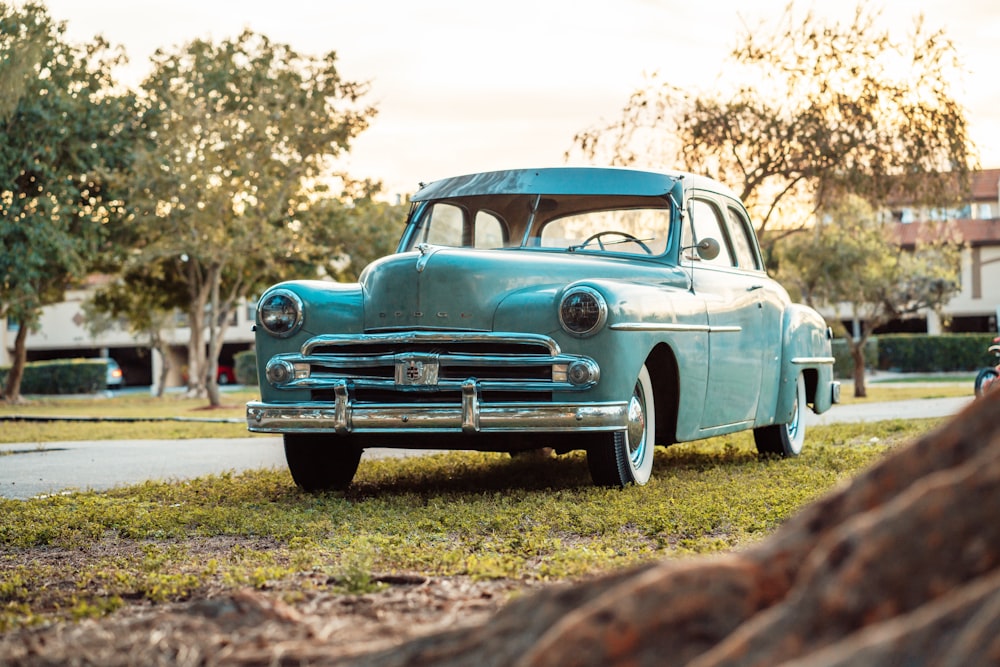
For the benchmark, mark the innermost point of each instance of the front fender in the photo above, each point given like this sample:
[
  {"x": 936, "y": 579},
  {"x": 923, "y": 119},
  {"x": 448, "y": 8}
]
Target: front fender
[{"x": 328, "y": 307}]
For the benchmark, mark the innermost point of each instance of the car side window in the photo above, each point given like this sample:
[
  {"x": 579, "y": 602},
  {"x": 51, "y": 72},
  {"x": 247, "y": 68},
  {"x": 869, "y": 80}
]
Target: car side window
[
  {"x": 743, "y": 245},
  {"x": 443, "y": 225},
  {"x": 707, "y": 224},
  {"x": 490, "y": 231},
  {"x": 447, "y": 225}
]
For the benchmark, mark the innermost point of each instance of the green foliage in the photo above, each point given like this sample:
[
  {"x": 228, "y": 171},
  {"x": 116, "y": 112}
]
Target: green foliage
[
  {"x": 463, "y": 513},
  {"x": 922, "y": 353},
  {"x": 843, "y": 365},
  {"x": 347, "y": 237},
  {"x": 847, "y": 261},
  {"x": 239, "y": 138},
  {"x": 818, "y": 110},
  {"x": 64, "y": 132},
  {"x": 62, "y": 376},
  {"x": 246, "y": 367}
]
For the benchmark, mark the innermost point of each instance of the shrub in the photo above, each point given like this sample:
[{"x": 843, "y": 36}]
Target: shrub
[
  {"x": 925, "y": 353},
  {"x": 245, "y": 367},
  {"x": 62, "y": 376},
  {"x": 843, "y": 364}
]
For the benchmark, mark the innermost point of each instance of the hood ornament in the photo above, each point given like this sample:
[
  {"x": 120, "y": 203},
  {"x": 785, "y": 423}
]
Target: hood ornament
[{"x": 425, "y": 250}]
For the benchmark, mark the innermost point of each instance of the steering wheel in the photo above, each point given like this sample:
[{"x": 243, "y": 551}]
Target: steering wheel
[{"x": 625, "y": 235}]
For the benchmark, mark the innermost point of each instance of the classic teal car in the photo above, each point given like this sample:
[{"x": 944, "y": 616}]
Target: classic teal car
[{"x": 603, "y": 310}]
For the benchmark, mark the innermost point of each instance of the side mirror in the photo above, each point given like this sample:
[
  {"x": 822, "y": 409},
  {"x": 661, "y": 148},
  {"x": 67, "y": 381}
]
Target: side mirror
[{"x": 708, "y": 249}]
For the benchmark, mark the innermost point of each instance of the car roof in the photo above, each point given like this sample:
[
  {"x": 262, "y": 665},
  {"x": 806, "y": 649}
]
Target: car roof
[{"x": 565, "y": 181}]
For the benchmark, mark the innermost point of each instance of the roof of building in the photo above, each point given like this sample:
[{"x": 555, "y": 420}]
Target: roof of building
[
  {"x": 974, "y": 232},
  {"x": 985, "y": 185}
]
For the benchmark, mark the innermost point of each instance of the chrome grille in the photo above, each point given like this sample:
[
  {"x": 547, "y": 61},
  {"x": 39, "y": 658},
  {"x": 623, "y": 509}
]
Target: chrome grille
[{"x": 432, "y": 365}]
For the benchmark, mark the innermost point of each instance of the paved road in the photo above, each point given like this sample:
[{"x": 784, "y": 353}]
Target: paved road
[{"x": 32, "y": 469}]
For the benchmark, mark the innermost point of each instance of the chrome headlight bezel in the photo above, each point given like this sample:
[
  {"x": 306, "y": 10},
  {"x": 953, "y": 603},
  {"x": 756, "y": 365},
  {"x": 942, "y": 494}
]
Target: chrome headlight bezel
[
  {"x": 583, "y": 311},
  {"x": 281, "y": 313}
]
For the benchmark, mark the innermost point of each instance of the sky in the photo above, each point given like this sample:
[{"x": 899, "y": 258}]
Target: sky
[{"x": 463, "y": 86}]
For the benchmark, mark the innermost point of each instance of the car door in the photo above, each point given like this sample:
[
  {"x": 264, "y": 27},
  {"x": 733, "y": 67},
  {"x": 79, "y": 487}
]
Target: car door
[
  {"x": 771, "y": 299},
  {"x": 735, "y": 317}
]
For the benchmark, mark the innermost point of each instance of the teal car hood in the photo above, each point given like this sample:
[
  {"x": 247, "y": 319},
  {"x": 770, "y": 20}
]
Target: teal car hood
[{"x": 451, "y": 288}]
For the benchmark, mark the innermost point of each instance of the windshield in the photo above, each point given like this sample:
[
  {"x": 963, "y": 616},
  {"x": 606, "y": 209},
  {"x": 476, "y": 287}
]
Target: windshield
[{"x": 577, "y": 223}]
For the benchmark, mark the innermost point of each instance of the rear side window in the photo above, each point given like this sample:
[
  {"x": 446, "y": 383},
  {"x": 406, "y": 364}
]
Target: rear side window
[
  {"x": 489, "y": 231},
  {"x": 743, "y": 240}
]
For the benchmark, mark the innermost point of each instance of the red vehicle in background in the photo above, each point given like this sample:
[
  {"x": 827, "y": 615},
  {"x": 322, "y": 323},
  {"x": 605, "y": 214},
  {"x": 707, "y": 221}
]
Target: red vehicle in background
[{"x": 987, "y": 377}]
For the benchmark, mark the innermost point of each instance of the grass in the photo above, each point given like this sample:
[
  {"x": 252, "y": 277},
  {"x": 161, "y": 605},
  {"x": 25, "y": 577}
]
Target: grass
[
  {"x": 938, "y": 378},
  {"x": 464, "y": 513},
  {"x": 906, "y": 390},
  {"x": 182, "y": 418}
]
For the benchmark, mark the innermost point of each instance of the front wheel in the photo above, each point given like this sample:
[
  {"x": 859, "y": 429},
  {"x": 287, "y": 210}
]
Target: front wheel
[
  {"x": 986, "y": 379},
  {"x": 785, "y": 439},
  {"x": 626, "y": 457},
  {"x": 321, "y": 462}
]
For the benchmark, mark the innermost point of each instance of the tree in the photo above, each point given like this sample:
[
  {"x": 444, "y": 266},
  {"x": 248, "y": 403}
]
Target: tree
[
  {"x": 63, "y": 133},
  {"x": 845, "y": 261},
  {"x": 347, "y": 236},
  {"x": 147, "y": 296},
  {"x": 822, "y": 109},
  {"x": 242, "y": 137}
]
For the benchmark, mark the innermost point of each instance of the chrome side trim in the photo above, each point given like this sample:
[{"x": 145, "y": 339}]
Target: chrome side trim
[
  {"x": 652, "y": 326},
  {"x": 800, "y": 361},
  {"x": 472, "y": 416}
]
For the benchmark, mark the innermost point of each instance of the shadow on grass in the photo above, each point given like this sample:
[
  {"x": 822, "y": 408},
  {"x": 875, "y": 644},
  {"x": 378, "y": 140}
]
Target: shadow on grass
[{"x": 476, "y": 473}]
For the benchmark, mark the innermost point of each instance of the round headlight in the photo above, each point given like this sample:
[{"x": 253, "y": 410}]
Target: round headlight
[
  {"x": 280, "y": 313},
  {"x": 582, "y": 311}
]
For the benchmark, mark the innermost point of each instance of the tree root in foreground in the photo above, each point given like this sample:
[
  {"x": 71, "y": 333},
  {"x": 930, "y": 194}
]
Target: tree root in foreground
[{"x": 897, "y": 567}]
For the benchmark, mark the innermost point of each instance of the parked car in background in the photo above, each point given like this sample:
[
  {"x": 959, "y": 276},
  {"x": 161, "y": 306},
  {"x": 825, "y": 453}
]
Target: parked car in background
[
  {"x": 115, "y": 376},
  {"x": 603, "y": 310},
  {"x": 225, "y": 375}
]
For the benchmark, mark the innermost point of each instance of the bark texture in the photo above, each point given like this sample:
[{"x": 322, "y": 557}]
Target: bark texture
[{"x": 900, "y": 566}]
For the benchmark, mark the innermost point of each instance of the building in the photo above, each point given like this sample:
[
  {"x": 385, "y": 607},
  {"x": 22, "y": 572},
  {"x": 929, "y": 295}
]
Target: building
[
  {"x": 64, "y": 333},
  {"x": 976, "y": 224}
]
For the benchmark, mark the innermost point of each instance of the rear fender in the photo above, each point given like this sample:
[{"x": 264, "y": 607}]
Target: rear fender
[{"x": 806, "y": 350}]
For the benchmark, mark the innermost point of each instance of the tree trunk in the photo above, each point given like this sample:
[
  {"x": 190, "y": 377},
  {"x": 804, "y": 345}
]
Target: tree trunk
[
  {"x": 12, "y": 390},
  {"x": 857, "y": 348},
  {"x": 217, "y": 325},
  {"x": 163, "y": 350},
  {"x": 197, "y": 359}
]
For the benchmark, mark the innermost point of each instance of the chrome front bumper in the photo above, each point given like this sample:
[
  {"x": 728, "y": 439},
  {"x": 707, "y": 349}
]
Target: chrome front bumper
[{"x": 471, "y": 416}]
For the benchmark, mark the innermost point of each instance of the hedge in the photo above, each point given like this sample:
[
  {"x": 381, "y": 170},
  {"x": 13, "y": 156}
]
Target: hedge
[
  {"x": 923, "y": 353},
  {"x": 843, "y": 364},
  {"x": 62, "y": 376},
  {"x": 245, "y": 367}
]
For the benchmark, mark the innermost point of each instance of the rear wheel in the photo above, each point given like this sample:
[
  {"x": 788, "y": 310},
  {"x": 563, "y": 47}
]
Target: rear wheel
[
  {"x": 321, "y": 462},
  {"x": 987, "y": 378},
  {"x": 626, "y": 457},
  {"x": 785, "y": 439}
]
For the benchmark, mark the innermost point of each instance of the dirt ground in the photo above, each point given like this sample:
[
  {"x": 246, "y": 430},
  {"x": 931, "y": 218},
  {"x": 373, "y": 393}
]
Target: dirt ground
[{"x": 295, "y": 621}]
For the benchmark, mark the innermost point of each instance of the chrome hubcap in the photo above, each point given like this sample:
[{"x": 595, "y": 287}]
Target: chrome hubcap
[
  {"x": 793, "y": 426},
  {"x": 636, "y": 432}
]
